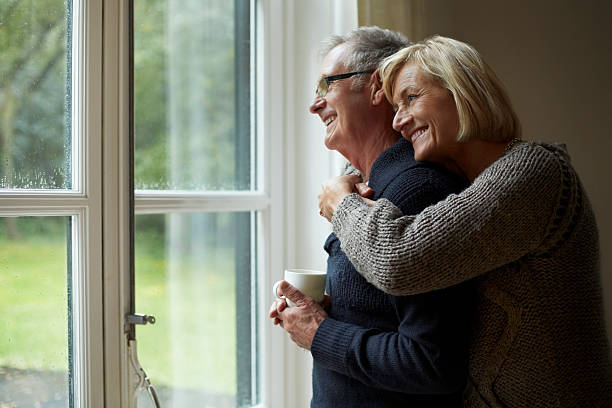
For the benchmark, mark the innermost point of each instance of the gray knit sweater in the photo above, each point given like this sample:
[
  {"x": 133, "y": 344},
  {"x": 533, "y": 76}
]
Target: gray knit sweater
[{"x": 526, "y": 232}]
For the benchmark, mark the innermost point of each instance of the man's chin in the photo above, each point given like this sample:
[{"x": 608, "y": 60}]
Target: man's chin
[{"x": 329, "y": 142}]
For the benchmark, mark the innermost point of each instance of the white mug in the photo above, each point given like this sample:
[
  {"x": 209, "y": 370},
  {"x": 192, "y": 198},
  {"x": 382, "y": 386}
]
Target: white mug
[{"x": 311, "y": 283}]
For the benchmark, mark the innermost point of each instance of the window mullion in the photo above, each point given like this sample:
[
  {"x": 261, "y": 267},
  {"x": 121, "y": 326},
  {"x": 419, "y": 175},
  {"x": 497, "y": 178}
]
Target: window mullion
[{"x": 158, "y": 203}]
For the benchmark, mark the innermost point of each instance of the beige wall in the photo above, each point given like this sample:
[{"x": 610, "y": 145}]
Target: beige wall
[{"x": 555, "y": 59}]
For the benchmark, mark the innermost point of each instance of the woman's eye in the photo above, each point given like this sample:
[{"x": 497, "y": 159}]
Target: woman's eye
[{"x": 411, "y": 97}]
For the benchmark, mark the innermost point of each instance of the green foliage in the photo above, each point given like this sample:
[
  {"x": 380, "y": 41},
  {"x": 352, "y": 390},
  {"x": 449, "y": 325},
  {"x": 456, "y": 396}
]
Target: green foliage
[
  {"x": 35, "y": 228},
  {"x": 33, "y": 94},
  {"x": 150, "y": 95},
  {"x": 185, "y": 132}
]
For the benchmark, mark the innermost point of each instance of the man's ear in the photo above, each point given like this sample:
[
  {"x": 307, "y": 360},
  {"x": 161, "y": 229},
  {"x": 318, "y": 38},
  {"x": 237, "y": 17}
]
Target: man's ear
[{"x": 377, "y": 95}]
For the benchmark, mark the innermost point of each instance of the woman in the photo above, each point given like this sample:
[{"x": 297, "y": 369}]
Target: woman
[{"x": 523, "y": 230}]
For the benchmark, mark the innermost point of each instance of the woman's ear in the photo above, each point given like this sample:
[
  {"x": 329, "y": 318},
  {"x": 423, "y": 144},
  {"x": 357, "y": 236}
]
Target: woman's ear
[{"x": 377, "y": 94}]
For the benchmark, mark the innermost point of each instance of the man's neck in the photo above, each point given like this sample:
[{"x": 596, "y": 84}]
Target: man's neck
[{"x": 365, "y": 155}]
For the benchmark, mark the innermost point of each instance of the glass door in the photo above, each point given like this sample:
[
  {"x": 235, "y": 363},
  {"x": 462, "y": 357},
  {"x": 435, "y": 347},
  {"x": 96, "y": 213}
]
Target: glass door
[{"x": 197, "y": 201}]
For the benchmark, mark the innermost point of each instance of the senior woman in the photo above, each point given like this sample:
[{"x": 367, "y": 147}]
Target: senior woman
[{"x": 523, "y": 230}]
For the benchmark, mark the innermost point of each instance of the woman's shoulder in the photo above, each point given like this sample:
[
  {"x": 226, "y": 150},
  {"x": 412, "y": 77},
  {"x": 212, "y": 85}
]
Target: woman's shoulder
[
  {"x": 537, "y": 153},
  {"x": 531, "y": 160}
]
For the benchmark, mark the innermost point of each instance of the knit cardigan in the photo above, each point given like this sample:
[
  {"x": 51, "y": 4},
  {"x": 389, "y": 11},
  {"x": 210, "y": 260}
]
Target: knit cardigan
[
  {"x": 378, "y": 350},
  {"x": 525, "y": 231}
]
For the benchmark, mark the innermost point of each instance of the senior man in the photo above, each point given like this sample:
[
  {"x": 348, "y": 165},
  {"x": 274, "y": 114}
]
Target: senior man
[{"x": 371, "y": 349}]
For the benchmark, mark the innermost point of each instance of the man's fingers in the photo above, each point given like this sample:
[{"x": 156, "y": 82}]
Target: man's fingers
[
  {"x": 326, "y": 301},
  {"x": 281, "y": 304},
  {"x": 273, "y": 312},
  {"x": 277, "y": 307},
  {"x": 364, "y": 190},
  {"x": 369, "y": 202},
  {"x": 291, "y": 292}
]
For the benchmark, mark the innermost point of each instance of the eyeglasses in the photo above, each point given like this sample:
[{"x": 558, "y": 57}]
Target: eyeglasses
[{"x": 323, "y": 85}]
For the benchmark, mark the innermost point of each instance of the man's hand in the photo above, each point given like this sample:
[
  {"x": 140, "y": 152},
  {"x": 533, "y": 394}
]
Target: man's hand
[
  {"x": 364, "y": 190},
  {"x": 301, "y": 321}
]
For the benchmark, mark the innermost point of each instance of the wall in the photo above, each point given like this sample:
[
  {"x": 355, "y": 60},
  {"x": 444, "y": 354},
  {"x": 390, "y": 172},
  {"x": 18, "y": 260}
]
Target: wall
[{"x": 308, "y": 162}]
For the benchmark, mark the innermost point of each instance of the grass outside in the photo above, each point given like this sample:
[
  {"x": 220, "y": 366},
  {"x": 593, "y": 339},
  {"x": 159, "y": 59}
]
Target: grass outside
[
  {"x": 33, "y": 304},
  {"x": 191, "y": 346},
  {"x": 193, "y": 342}
]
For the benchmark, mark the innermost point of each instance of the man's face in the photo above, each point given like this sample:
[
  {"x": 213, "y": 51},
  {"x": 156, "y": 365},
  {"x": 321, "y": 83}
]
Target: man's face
[{"x": 344, "y": 111}]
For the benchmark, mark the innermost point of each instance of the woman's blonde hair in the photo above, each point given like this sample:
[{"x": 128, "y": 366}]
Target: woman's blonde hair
[{"x": 483, "y": 106}]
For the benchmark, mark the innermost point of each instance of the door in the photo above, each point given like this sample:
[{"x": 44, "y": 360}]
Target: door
[{"x": 198, "y": 201}]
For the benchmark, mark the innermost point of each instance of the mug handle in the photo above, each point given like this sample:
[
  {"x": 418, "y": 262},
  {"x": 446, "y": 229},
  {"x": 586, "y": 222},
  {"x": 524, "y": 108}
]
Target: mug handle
[{"x": 275, "y": 288}]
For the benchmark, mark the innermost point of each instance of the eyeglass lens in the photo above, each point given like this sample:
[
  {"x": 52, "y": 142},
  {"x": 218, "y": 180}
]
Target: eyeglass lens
[{"x": 322, "y": 88}]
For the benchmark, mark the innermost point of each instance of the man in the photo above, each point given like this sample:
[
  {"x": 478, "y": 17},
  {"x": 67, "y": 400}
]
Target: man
[{"x": 371, "y": 349}]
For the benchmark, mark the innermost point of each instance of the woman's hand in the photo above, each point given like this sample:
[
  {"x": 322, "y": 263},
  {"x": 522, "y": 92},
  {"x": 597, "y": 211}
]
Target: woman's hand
[
  {"x": 302, "y": 320},
  {"x": 335, "y": 189}
]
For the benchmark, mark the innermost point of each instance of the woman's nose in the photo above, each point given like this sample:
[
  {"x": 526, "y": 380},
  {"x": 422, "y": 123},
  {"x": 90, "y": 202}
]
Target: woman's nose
[
  {"x": 316, "y": 104},
  {"x": 401, "y": 119}
]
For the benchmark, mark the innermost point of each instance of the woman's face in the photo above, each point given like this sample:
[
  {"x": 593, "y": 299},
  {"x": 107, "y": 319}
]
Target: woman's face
[{"x": 425, "y": 114}]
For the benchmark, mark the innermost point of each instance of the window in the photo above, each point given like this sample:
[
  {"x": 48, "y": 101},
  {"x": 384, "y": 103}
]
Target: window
[
  {"x": 203, "y": 196},
  {"x": 35, "y": 309},
  {"x": 197, "y": 200},
  {"x": 50, "y": 278}
]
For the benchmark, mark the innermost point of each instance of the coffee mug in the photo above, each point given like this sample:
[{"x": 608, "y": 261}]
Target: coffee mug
[{"x": 311, "y": 283}]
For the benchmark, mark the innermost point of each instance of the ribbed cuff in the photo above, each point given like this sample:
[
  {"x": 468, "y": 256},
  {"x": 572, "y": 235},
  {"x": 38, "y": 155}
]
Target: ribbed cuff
[
  {"x": 331, "y": 344},
  {"x": 342, "y": 215}
]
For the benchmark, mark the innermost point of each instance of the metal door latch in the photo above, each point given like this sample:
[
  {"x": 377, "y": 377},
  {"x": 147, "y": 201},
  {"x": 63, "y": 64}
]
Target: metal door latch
[{"x": 138, "y": 318}]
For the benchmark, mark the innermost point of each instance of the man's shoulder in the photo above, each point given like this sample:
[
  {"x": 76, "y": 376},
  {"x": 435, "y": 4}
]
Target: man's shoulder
[{"x": 425, "y": 176}]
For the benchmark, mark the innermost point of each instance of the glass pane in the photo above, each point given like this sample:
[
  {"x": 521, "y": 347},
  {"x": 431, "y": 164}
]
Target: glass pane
[
  {"x": 34, "y": 313},
  {"x": 35, "y": 141},
  {"x": 193, "y": 273},
  {"x": 192, "y": 95}
]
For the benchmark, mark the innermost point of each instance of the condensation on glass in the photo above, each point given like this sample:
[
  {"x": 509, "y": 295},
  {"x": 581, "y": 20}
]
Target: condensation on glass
[
  {"x": 192, "y": 95},
  {"x": 35, "y": 94},
  {"x": 194, "y": 274},
  {"x": 35, "y": 334}
]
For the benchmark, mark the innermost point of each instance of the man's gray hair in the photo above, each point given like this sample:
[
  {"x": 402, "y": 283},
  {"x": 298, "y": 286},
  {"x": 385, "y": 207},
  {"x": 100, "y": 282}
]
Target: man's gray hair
[{"x": 369, "y": 47}]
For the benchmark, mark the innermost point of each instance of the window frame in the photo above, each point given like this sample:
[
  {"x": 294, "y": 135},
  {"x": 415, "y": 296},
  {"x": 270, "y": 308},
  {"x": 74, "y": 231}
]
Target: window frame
[
  {"x": 82, "y": 204},
  {"x": 264, "y": 198}
]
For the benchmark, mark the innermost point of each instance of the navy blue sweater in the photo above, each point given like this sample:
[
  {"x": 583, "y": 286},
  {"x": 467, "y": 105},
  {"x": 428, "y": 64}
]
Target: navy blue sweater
[{"x": 378, "y": 350}]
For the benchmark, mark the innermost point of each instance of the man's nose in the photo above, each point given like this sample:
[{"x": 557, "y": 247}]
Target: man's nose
[{"x": 316, "y": 104}]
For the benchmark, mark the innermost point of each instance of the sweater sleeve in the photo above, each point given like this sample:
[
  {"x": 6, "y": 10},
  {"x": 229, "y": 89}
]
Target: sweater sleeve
[
  {"x": 502, "y": 216},
  {"x": 426, "y": 355}
]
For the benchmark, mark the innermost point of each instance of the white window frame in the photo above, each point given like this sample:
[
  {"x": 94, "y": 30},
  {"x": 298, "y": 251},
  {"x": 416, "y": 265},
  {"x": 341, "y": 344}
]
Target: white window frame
[
  {"x": 83, "y": 204},
  {"x": 266, "y": 199}
]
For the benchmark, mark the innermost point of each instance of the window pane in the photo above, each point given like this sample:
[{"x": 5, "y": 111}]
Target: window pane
[
  {"x": 35, "y": 101},
  {"x": 34, "y": 315},
  {"x": 192, "y": 95},
  {"x": 193, "y": 273}
]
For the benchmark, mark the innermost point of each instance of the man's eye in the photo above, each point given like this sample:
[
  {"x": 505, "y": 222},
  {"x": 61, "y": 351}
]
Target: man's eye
[{"x": 411, "y": 97}]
